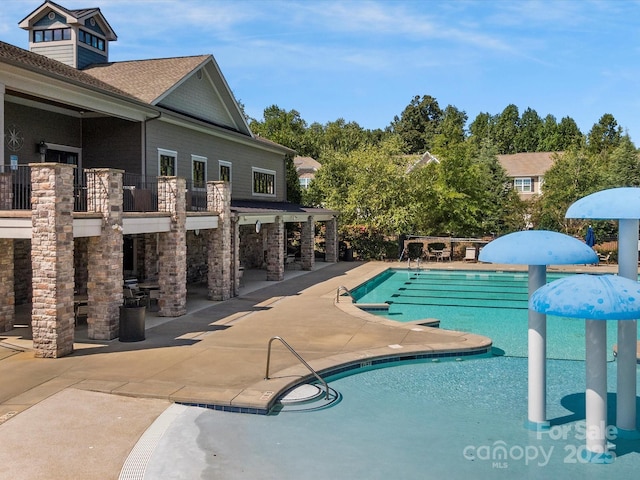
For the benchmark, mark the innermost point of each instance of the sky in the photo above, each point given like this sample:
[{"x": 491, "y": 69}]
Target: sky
[{"x": 364, "y": 61}]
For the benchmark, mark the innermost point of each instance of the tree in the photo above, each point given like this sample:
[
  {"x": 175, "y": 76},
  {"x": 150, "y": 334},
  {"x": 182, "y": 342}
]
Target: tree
[
  {"x": 506, "y": 130},
  {"x": 294, "y": 192},
  {"x": 452, "y": 130},
  {"x": 280, "y": 126},
  {"x": 481, "y": 131},
  {"x": 530, "y": 132},
  {"x": 604, "y": 135},
  {"x": 624, "y": 165},
  {"x": 573, "y": 175},
  {"x": 418, "y": 124},
  {"x": 569, "y": 135}
]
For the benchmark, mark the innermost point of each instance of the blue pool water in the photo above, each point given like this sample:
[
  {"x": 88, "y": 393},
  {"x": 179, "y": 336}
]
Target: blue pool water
[
  {"x": 493, "y": 304},
  {"x": 414, "y": 421}
]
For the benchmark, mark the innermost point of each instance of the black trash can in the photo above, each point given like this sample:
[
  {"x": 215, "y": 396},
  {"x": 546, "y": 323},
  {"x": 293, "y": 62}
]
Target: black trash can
[
  {"x": 348, "y": 255},
  {"x": 132, "y": 323}
]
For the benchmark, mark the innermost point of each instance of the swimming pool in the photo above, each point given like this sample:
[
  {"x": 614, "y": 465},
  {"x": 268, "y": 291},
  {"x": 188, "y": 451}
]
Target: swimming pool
[
  {"x": 493, "y": 304},
  {"x": 415, "y": 421}
]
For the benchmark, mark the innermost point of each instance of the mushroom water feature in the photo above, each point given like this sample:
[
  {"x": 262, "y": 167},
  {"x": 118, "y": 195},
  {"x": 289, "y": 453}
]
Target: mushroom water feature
[
  {"x": 622, "y": 204},
  {"x": 596, "y": 298},
  {"x": 537, "y": 249}
]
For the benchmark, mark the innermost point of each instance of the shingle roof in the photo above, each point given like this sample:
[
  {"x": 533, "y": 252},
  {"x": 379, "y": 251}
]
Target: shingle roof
[
  {"x": 530, "y": 164},
  {"x": 146, "y": 80},
  {"x": 17, "y": 56}
]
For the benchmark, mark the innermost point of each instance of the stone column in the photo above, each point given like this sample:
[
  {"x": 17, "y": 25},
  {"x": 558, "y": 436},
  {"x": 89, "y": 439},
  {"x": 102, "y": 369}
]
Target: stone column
[
  {"x": 105, "y": 254},
  {"x": 172, "y": 248},
  {"x": 235, "y": 256},
  {"x": 7, "y": 293},
  {"x": 150, "y": 255},
  {"x": 331, "y": 240},
  {"x": 307, "y": 244},
  {"x": 275, "y": 250},
  {"x": 6, "y": 190},
  {"x": 52, "y": 259},
  {"x": 219, "y": 256}
]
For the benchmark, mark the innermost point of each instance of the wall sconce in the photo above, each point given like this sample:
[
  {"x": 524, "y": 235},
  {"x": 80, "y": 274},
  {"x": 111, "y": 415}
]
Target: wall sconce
[{"x": 42, "y": 150}]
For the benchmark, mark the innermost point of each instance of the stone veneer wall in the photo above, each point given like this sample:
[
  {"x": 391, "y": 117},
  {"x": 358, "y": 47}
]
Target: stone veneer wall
[
  {"x": 52, "y": 318},
  {"x": 219, "y": 242},
  {"x": 105, "y": 255},
  {"x": 275, "y": 250},
  {"x": 197, "y": 266},
  {"x": 80, "y": 264},
  {"x": 307, "y": 244},
  {"x": 331, "y": 241},
  {"x": 7, "y": 292},
  {"x": 173, "y": 248},
  {"x": 22, "y": 273},
  {"x": 251, "y": 247},
  {"x": 150, "y": 255}
]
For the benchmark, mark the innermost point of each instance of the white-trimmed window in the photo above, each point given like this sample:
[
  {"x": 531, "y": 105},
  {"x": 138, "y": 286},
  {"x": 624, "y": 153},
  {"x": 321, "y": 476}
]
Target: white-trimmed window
[
  {"x": 224, "y": 171},
  {"x": 304, "y": 182},
  {"x": 523, "y": 185},
  {"x": 167, "y": 162},
  {"x": 199, "y": 172},
  {"x": 264, "y": 182}
]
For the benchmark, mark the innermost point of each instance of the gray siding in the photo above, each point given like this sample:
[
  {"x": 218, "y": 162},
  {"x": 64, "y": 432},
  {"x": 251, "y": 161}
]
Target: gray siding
[
  {"x": 243, "y": 157},
  {"x": 112, "y": 142},
  {"x": 37, "y": 125},
  {"x": 197, "y": 97},
  {"x": 56, "y": 51},
  {"x": 87, "y": 57}
]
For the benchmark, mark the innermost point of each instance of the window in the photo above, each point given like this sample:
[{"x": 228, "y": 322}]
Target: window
[
  {"x": 52, "y": 35},
  {"x": 91, "y": 40},
  {"x": 304, "y": 182},
  {"x": 199, "y": 171},
  {"x": 167, "y": 161},
  {"x": 264, "y": 182},
  {"x": 224, "y": 171},
  {"x": 523, "y": 185}
]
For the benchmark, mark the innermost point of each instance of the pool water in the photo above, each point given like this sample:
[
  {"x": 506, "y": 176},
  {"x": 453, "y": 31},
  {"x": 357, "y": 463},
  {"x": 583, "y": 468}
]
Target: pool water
[
  {"x": 493, "y": 304},
  {"x": 421, "y": 420}
]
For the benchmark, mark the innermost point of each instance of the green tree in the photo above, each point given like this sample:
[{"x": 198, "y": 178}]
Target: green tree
[
  {"x": 569, "y": 135},
  {"x": 294, "y": 192},
  {"x": 452, "y": 130},
  {"x": 418, "y": 124},
  {"x": 481, "y": 131},
  {"x": 506, "y": 130},
  {"x": 284, "y": 127},
  {"x": 604, "y": 135},
  {"x": 624, "y": 166},
  {"x": 529, "y": 132},
  {"x": 573, "y": 175}
]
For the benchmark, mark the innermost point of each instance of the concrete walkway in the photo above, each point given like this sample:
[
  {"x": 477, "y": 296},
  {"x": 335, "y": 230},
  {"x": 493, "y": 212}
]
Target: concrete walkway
[{"x": 79, "y": 416}]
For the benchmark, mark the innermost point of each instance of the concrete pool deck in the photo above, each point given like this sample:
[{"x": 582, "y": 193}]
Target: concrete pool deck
[{"x": 80, "y": 416}]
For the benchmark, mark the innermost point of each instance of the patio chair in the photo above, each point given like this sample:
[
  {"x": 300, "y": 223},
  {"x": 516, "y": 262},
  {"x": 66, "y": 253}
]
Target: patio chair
[{"x": 82, "y": 310}]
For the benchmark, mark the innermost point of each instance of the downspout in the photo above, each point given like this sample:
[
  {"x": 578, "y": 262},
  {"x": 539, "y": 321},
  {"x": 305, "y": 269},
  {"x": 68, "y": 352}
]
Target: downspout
[{"x": 144, "y": 143}]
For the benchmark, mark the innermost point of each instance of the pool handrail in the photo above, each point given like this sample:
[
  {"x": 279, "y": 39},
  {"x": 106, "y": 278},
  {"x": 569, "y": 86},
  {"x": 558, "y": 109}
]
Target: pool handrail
[
  {"x": 290, "y": 348},
  {"x": 342, "y": 288}
]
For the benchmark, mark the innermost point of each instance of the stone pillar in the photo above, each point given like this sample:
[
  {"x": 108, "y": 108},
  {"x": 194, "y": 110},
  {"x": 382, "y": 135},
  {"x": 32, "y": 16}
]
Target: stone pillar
[
  {"x": 219, "y": 256},
  {"x": 235, "y": 256},
  {"x": 105, "y": 254},
  {"x": 172, "y": 248},
  {"x": 331, "y": 240},
  {"x": 151, "y": 255},
  {"x": 7, "y": 293},
  {"x": 6, "y": 191},
  {"x": 52, "y": 318},
  {"x": 307, "y": 244},
  {"x": 275, "y": 250}
]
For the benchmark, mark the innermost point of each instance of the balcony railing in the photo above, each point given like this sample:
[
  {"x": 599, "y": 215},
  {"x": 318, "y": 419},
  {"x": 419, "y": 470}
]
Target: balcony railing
[
  {"x": 140, "y": 193},
  {"x": 196, "y": 198}
]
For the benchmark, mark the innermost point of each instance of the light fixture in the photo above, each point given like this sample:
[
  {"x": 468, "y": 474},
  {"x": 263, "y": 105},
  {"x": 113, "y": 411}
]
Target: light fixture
[{"x": 42, "y": 148}]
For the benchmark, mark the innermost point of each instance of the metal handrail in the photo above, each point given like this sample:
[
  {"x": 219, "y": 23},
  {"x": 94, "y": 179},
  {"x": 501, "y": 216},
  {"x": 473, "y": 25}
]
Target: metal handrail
[
  {"x": 266, "y": 376},
  {"x": 342, "y": 287}
]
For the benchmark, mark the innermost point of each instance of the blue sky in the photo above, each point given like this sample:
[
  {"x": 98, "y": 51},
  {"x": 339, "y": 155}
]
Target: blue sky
[{"x": 365, "y": 60}]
